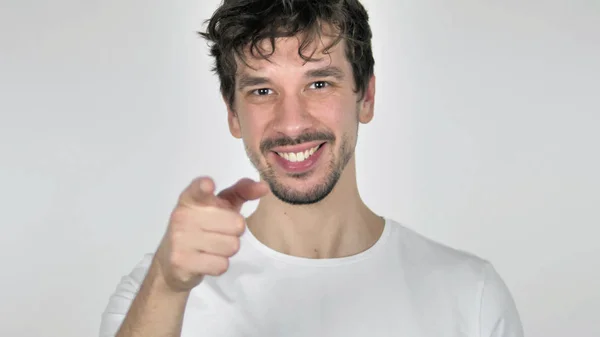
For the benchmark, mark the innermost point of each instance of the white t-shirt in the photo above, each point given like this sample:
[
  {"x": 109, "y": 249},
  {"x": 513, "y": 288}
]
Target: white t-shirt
[{"x": 404, "y": 285}]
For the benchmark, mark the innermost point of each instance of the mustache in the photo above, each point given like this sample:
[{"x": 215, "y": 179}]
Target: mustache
[{"x": 268, "y": 144}]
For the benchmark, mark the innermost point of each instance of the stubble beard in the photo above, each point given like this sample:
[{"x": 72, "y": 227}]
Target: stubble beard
[{"x": 316, "y": 193}]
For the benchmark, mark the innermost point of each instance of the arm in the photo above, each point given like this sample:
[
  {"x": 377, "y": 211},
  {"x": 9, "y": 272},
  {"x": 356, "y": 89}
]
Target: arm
[
  {"x": 156, "y": 310},
  {"x": 142, "y": 305},
  {"x": 498, "y": 312},
  {"x": 202, "y": 235}
]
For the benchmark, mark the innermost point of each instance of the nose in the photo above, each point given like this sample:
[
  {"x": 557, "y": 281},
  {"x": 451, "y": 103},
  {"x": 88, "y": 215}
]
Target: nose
[{"x": 292, "y": 117}]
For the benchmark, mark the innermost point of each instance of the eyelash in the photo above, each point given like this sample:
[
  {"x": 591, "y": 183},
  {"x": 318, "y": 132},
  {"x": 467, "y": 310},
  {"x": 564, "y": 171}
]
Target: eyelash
[
  {"x": 256, "y": 92},
  {"x": 325, "y": 85}
]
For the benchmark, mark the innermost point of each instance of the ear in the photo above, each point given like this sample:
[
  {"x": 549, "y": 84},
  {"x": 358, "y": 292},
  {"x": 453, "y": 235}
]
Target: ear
[
  {"x": 367, "y": 105},
  {"x": 233, "y": 120}
]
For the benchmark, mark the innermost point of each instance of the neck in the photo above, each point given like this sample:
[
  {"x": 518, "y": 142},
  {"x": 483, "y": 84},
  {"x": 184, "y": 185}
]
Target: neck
[{"x": 339, "y": 225}]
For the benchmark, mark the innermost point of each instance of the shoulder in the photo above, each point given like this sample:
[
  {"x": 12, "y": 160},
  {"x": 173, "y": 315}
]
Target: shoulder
[
  {"x": 418, "y": 249},
  {"x": 474, "y": 283},
  {"x": 431, "y": 264}
]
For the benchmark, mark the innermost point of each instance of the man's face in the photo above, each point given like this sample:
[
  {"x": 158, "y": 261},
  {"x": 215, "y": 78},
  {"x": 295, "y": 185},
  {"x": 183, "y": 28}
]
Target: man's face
[{"x": 298, "y": 119}]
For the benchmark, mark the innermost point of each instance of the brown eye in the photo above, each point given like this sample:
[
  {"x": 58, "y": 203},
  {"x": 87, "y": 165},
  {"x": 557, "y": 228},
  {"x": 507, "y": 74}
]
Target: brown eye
[
  {"x": 262, "y": 92},
  {"x": 319, "y": 85}
]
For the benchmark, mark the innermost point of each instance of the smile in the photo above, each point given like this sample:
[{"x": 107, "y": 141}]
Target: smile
[{"x": 297, "y": 157}]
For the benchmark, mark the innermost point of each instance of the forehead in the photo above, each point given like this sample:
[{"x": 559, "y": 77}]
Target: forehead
[{"x": 295, "y": 52}]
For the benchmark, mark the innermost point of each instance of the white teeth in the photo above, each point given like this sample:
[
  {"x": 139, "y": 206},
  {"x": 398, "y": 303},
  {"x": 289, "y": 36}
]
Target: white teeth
[{"x": 299, "y": 156}]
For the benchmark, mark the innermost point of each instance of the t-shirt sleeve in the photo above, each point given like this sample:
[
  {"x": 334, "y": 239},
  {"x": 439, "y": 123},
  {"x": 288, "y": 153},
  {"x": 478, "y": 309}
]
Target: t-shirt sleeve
[
  {"x": 498, "y": 312},
  {"x": 121, "y": 299}
]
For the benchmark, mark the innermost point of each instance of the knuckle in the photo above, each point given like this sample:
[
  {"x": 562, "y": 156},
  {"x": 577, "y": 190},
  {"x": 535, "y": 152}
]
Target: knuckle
[
  {"x": 235, "y": 245},
  {"x": 179, "y": 216},
  {"x": 238, "y": 223},
  {"x": 177, "y": 236},
  {"x": 221, "y": 266},
  {"x": 177, "y": 259}
]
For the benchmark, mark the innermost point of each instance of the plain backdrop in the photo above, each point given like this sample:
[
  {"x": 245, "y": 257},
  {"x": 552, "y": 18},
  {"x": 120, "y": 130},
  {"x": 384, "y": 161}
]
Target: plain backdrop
[{"x": 485, "y": 138}]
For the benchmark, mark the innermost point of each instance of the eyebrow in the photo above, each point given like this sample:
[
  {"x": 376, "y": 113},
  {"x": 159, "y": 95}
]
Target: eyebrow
[
  {"x": 329, "y": 71},
  {"x": 247, "y": 80},
  {"x": 250, "y": 81}
]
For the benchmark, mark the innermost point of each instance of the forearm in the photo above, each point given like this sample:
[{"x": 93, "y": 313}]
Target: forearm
[{"x": 156, "y": 311}]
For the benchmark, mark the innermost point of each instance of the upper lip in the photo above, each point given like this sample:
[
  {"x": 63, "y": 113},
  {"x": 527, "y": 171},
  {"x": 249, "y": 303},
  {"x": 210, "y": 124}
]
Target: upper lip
[{"x": 297, "y": 148}]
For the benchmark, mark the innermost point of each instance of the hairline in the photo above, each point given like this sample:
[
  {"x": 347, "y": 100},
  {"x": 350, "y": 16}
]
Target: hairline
[{"x": 338, "y": 41}]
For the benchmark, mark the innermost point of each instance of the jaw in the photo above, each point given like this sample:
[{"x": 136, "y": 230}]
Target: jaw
[{"x": 332, "y": 189}]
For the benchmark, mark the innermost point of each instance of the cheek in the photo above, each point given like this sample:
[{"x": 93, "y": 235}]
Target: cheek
[
  {"x": 338, "y": 115},
  {"x": 252, "y": 126}
]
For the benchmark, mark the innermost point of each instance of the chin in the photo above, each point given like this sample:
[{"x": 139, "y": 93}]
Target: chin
[{"x": 304, "y": 190}]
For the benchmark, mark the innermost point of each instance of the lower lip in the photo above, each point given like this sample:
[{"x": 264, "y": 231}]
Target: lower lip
[{"x": 300, "y": 167}]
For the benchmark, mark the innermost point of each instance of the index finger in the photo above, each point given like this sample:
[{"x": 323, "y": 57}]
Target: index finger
[{"x": 200, "y": 192}]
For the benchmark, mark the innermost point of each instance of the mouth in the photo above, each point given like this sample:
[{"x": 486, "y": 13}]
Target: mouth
[
  {"x": 298, "y": 159},
  {"x": 299, "y": 156}
]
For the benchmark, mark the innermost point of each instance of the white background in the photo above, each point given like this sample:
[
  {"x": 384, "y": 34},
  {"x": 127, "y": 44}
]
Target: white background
[{"x": 485, "y": 138}]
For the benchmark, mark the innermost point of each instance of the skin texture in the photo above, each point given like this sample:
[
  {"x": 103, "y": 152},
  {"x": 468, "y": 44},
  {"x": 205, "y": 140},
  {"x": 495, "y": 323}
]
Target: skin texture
[
  {"x": 289, "y": 101},
  {"x": 315, "y": 214},
  {"x": 293, "y": 103}
]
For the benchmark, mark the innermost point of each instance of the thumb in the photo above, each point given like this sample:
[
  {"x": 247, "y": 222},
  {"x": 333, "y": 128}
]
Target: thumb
[{"x": 244, "y": 190}]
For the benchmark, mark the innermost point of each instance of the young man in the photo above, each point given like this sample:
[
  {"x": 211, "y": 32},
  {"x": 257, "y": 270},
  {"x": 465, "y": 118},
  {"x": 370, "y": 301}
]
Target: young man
[{"x": 313, "y": 259}]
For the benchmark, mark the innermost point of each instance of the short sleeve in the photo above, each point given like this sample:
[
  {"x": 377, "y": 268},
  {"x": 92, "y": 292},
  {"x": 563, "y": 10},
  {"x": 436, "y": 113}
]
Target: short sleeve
[
  {"x": 121, "y": 299},
  {"x": 498, "y": 316}
]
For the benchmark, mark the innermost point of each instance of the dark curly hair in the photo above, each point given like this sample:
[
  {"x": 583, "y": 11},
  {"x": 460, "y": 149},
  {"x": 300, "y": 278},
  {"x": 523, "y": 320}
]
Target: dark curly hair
[{"x": 239, "y": 24}]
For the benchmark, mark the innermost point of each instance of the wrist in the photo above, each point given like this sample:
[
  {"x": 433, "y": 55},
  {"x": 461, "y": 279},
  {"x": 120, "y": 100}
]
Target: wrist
[{"x": 159, "y": 284}]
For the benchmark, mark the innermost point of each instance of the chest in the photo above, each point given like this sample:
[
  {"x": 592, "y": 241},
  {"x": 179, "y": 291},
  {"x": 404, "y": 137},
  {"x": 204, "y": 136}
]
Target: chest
[{"x": 315, "y": 306}]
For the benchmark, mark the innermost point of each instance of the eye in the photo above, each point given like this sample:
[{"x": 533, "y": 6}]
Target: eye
[
  {"x": 262, "y": 92},
  {"x": 319, "y": 85}
]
